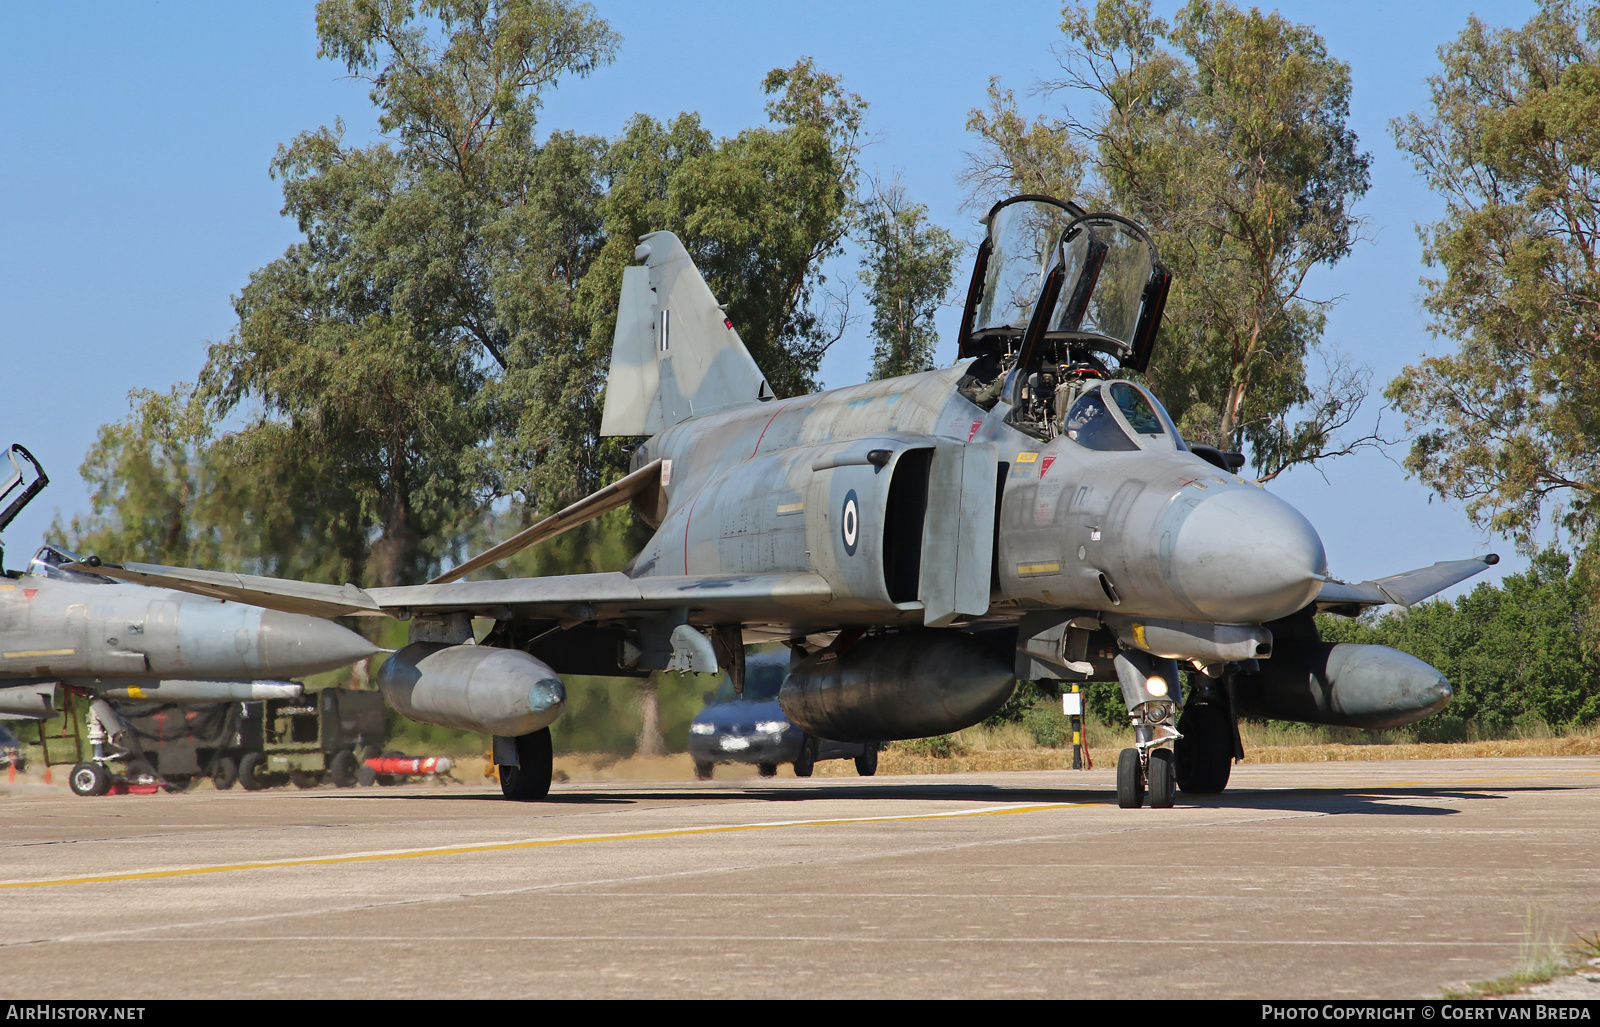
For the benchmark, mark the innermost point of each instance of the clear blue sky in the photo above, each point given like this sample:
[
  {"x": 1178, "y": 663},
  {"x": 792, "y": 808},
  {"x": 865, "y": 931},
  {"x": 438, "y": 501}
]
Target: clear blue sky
[{"x": 137, "y": 200}]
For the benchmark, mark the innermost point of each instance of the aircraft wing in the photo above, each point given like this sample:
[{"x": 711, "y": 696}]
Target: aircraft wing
[
  {"x": 1399, "y": 589},
  {"x": 710, "y": 598}
]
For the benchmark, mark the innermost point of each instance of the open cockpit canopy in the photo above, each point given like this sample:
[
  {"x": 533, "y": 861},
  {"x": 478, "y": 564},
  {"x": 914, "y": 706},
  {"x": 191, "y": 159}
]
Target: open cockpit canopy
[
  {"x": 1056, "y": 291},
  {"x": 1048, "y": 272}
]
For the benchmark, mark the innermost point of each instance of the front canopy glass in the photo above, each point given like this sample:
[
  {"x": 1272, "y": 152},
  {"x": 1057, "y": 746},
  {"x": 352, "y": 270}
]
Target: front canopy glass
[{"x": 1022, "y": 235}]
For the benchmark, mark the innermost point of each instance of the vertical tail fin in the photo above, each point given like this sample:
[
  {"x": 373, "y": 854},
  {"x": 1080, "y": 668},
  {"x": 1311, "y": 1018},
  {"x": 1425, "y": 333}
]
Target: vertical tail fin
[{"x": 675, "y": 355}]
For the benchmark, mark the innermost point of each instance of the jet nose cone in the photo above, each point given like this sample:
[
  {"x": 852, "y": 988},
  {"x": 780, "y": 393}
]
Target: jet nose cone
[
  {"x": 292, "y": 644},
  {"x": 1246, "y": 555}
]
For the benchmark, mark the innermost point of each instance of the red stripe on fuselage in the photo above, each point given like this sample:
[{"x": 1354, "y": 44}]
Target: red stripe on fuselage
[
  {"x": 763, "y": 434},
  {"x": 686, "y": 522}
]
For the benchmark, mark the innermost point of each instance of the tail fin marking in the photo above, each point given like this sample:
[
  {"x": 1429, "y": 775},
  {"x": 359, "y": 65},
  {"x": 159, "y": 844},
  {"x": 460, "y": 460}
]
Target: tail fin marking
[{"x": 675, "y": 355}]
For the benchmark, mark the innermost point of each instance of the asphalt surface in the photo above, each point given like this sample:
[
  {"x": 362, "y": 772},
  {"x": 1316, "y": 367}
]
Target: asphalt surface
[{"x": 1309, "y": 880}]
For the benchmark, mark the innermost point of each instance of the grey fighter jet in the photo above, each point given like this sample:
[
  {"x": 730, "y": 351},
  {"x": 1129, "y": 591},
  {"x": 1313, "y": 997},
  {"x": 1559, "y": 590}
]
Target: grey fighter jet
[
  {"x": 62, "y": 625},
  {"x": 920, "y": 543}
]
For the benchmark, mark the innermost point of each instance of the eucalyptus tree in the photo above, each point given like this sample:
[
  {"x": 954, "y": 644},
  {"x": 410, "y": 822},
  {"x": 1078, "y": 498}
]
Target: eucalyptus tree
[
  {"x": 907, "y": 269},
  {"x": 1226, "y": 134},
  {"x": 1509, "y": 421}
]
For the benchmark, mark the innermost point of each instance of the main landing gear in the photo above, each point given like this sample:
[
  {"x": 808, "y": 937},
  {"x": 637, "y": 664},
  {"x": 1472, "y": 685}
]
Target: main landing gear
[{"x": 529, "y": 779}]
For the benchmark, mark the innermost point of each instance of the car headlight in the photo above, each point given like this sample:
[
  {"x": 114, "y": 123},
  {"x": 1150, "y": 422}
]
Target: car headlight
[
  {"x": 772, "y": 727},
  {"x": 700, "y": 728}
]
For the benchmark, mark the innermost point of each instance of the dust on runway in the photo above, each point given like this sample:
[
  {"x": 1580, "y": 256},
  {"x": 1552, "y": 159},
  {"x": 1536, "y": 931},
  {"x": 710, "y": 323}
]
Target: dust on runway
[{"x": 1323, "y": 880}]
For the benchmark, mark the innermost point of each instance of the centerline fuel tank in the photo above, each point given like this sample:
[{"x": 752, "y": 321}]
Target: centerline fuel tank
[{"x": 907, "y": 685}]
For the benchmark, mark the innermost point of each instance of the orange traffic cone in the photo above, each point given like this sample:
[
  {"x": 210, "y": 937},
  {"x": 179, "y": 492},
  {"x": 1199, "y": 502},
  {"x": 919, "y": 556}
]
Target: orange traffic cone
[{"x": 46, "y": 775}]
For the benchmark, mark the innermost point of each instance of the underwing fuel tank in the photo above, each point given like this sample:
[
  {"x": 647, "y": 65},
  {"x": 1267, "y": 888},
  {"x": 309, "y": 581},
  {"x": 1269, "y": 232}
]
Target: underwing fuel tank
[
  {"x": 502, "y": 692},
  {"x": 1341, "y": 685},
  {"x": 909, "y": 685}
]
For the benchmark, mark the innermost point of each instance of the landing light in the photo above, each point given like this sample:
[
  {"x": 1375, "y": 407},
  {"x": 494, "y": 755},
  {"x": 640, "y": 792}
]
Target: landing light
[{"x": 1156, "y": 685}]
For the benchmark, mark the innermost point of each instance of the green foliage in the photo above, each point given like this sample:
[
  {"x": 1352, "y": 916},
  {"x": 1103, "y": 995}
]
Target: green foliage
[
  {"x": 1038, "y": 709},
  {"x": 907, "y": 270},
  {"x": 939, "y": 747},
  {"x": 1517, "y": 653},
  {"x": 165, "y": 489},
  {"x": 1021, "y": 699},
  {"x": 1509, "y": 422},
  {"x": 1230, "y": 144},
  {"x": 438, "y": 338}
]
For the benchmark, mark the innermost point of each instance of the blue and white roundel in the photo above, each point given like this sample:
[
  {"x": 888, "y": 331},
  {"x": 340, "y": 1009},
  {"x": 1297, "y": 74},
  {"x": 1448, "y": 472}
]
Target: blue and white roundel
[{"x": 850, "y": 523}]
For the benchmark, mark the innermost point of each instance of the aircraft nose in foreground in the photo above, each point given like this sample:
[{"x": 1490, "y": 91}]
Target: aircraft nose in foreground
[
  {"x": 292, "y": 644},
  {"x": 1245, "y": 555}
]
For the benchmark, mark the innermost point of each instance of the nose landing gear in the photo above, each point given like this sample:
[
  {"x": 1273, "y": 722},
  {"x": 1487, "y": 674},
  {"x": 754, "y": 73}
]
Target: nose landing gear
[{"x": 1149, "y": 767}]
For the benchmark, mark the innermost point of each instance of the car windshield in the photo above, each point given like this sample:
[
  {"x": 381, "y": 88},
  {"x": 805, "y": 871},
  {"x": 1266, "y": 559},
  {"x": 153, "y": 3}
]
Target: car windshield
[
  {"x": 762, "y": 679},
  {"x": 1136, "y": 408},
  {"x": 1090, "y": 424}
]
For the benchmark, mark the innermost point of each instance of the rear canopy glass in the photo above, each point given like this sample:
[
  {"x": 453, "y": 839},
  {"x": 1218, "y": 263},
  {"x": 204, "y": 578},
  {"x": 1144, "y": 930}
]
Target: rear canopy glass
[{"x": 1118, "y": 263}]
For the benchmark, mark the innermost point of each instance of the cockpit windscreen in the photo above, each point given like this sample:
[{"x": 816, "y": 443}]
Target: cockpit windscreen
[
  {"x": 1090, "y": 424},
  {"x": 50, "y": 562}
]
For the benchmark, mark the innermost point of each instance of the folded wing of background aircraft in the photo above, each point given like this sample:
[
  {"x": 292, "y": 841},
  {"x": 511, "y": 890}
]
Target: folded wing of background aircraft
[{"x": 63, "y": 625}]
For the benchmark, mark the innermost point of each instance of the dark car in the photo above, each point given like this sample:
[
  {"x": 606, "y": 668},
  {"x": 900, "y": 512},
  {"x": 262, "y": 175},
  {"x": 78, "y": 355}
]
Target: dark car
[{"x": 752, "y": 728}]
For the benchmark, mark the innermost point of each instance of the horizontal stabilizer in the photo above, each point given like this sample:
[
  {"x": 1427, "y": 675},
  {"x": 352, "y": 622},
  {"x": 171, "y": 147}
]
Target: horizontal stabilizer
[
  {"x": 675, "y": 354},
  {"x": 1399, "y": 589}
]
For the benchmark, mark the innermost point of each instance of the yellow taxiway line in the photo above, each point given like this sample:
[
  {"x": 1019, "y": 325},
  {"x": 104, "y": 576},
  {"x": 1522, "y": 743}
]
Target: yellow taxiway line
[{"x": 458, "y": 850}]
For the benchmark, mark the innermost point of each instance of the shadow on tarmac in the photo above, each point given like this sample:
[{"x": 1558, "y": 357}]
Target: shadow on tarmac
[{"x": 1332, "y": 801}]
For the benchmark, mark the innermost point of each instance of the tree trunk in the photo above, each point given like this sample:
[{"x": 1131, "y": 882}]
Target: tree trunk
[{"x": 650, "y": 742}]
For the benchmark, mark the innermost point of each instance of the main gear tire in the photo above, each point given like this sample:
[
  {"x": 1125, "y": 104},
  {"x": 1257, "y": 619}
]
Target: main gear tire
[
  {"x": 867, "y": 762},
  {"x": 529, "y": 780},
  {"x": 1161, "y": 779},
  {"x": 1130, "y": 780},
  {"x": 250, "y": 777},
  {"x": 1204, "y": 755},
  {"x": 89, "y": 778}
]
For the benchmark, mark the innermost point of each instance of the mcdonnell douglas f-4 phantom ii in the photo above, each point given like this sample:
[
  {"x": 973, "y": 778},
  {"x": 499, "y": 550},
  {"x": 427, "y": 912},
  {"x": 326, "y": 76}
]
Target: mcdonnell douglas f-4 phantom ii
[
  {"x": 62, "y": 624},
  {"x": 921, "y": 543}
]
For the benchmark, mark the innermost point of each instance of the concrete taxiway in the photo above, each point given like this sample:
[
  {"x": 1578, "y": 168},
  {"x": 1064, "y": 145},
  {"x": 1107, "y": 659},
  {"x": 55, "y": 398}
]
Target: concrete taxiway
[{"x": 1309, "y": 880}]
